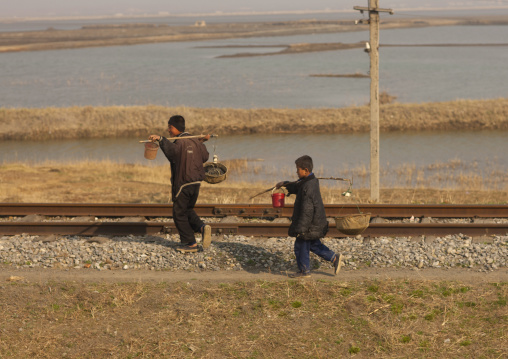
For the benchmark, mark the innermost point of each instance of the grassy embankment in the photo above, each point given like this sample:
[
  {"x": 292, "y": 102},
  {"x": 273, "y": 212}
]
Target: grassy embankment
[
  {"x": 254, "y": 319},
  {"x": 113, "y": 182},
  {"x": 112, "y": 122}
]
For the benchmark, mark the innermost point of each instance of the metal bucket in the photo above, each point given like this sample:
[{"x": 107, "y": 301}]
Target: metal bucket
[
  {"x": 151, "y": 150},
  {"x": 278, "y": 199}
]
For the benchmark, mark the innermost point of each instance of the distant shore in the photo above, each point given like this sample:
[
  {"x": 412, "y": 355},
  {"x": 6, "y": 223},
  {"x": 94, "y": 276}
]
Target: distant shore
[
  {"x": 237, "y": 13},
  {"x": 139, "y": 33},
  {"x": 135, "y": 121}
]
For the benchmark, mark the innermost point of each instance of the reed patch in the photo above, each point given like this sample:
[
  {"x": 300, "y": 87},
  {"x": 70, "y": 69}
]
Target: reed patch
[
  {"x": 112, "y": 182},
  {"x": 139, "y": 121}
]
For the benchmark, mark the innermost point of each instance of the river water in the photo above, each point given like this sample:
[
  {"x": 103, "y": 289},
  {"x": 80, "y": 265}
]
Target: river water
[{"x": 190, "y": 74}]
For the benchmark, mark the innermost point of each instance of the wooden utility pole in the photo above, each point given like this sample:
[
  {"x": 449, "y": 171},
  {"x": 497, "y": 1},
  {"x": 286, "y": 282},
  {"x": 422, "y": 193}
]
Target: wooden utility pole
[{"x": 373, "y": 50}]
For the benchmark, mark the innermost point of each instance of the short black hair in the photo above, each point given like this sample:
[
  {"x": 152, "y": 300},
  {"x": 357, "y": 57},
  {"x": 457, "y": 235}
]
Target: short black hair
[
  {"x": 305, "y": 162},
  {"x": 177, "y": 122}
]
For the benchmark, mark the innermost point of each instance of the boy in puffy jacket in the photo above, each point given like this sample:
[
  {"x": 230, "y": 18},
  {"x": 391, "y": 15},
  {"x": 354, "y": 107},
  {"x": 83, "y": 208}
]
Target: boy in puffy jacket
[{"x": 308, "y": 223}]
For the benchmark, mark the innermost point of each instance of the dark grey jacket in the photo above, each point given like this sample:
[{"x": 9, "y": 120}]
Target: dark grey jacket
[
  {"x": 186, "y": 157},
  {"x": 309, "y": 218}
]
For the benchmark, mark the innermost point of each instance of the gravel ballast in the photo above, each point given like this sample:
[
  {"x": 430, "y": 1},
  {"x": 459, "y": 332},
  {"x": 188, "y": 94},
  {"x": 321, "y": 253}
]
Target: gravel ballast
[{"x": 249, "y": 253}]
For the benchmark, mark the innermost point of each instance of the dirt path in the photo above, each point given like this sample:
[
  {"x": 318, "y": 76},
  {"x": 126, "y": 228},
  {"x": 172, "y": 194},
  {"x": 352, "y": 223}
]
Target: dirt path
[{"x": 84, "y": 275}]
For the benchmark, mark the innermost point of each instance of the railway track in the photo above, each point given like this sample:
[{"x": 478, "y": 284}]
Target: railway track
[
  {"x": 253, "y": 210},
  {"x": 153, "y": 219}
]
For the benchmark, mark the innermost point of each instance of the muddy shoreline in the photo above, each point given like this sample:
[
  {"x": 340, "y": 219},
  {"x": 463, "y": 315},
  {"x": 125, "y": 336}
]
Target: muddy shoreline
[
  {"x": 139, "y": 33},
  {"x": 289, "y": 49}
]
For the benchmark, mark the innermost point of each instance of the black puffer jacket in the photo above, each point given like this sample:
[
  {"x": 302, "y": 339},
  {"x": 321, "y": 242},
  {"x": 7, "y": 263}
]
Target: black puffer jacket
[{"x": 309, "y": 218}]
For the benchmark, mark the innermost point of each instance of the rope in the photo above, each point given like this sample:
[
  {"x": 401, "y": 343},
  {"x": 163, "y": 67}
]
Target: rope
[{"x": 347, "y": 193}]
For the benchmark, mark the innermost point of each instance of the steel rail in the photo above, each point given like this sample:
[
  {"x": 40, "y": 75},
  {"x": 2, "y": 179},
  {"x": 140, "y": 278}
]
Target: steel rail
[
  {"x": 253, "y": 210},
  {"x": 246, "y": 229}
]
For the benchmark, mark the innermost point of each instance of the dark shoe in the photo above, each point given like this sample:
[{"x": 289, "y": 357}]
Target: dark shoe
[
  {"x": 337, "y": 263},
  {"x": 207, "y": 236},
  {"x": 185, "y": 248},
  {"x": 300, "y": 275}
]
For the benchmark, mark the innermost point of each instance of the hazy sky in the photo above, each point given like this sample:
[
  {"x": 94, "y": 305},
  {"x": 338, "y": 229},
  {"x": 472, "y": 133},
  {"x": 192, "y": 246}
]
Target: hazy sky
[{"x": 50, "y": 8}]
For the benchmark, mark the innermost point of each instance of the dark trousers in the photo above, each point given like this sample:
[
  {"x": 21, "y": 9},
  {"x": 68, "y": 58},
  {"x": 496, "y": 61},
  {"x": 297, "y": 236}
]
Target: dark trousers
[
  {"x": 186, "y": 219},
  {"x": 303, "y": 249}
]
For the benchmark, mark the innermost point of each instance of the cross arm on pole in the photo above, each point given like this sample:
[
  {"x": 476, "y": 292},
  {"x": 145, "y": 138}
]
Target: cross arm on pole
[{"x": 372, "y": 9}]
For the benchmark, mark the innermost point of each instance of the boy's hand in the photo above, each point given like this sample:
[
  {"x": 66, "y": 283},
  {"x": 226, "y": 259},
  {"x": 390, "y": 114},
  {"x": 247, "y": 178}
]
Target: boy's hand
[
  {"x": 154, "y": 137},
  {"x": 280, "y": 184},
  {"x": 205, "y": 138}
]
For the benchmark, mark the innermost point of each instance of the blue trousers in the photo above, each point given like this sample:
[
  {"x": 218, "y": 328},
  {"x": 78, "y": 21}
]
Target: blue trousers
[{"x": 303, "y": 249}]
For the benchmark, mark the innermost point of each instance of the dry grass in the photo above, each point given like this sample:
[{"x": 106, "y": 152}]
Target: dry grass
[
  {"x": 139, "y": 121},
  {"x": 257, "y": 319},
  {"x": 111, "y": 182}
]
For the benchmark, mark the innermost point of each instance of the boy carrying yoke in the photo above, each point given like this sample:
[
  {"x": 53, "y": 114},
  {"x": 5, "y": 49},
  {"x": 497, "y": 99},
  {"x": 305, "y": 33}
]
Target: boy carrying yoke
[
  {"x": 186, "y": 157},
  {"x": 308, "y": 223}
]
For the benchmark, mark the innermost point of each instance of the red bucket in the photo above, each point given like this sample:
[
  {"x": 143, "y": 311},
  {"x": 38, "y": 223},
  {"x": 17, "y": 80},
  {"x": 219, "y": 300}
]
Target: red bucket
[{"x": 278, "y": 199}]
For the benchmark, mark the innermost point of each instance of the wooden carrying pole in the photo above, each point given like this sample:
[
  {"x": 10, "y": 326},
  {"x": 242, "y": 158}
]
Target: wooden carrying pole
[{"x": 181, "y": 138}]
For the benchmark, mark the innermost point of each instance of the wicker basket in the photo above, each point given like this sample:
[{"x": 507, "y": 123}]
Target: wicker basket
[
  {"x": 215, "y": 172},
  {"x": 353, "y": 224}
]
